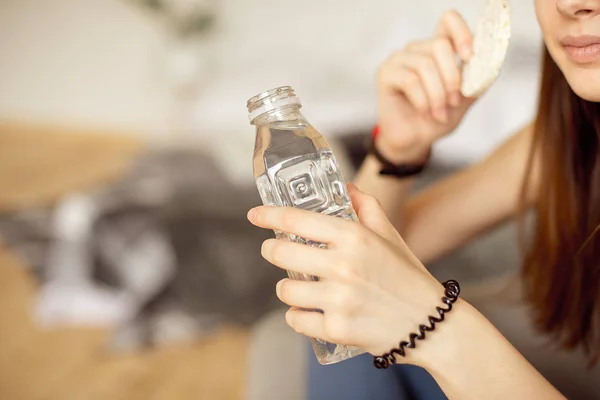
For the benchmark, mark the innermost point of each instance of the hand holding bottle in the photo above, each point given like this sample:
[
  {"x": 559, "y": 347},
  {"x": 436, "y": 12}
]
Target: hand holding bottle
[
  {"x": 372, "y": 289},
  {"x": 419, "y": 91}
]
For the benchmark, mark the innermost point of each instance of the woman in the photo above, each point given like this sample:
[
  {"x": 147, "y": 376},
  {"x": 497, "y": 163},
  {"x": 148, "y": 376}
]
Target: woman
[{"x": 375, "y": 289}]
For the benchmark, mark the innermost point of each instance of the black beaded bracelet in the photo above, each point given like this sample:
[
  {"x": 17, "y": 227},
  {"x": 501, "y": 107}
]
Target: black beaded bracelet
[{"x": 451, "y": 292}]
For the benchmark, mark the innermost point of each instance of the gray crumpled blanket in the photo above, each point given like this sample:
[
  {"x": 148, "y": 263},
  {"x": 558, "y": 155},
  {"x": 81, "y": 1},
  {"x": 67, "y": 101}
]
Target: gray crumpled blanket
[{"x": 164, "y": 254}]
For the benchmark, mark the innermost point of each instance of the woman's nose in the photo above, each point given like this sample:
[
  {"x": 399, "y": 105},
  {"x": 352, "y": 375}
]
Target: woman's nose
[{"x": 578, "y": 8}]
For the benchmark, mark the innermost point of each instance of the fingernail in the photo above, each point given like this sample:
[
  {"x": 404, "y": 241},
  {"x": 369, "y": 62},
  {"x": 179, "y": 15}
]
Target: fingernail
[
  {"x": 455, "y": 99},
  {"x": 252, "y": 214},
  {"x": 278, "y": 288}
]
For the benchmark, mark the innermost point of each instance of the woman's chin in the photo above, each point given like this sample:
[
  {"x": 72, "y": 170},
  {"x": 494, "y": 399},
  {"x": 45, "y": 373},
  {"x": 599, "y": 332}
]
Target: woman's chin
[
  {"x": 586, "y": 84},
  {"x": 588, "y": 94}
]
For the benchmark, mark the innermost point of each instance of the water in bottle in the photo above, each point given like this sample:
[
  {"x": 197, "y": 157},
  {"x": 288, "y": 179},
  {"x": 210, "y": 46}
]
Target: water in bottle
[{"x": 295, "y": 167}]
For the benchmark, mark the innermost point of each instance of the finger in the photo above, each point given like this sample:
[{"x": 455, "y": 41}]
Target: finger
[
  {"x": 307, "y": 224},
  {"x": 453, "y": 26},
  {"x": 425, "y": 67},
  {"x": 407, "y": 82},
  {"x": 309, "y": 323},
  {"x": 443, "y": 53},
  {"x": 371, "y": 214},
  {"x": 302, "y": 294},
  {"x": 297, "y": 257}
]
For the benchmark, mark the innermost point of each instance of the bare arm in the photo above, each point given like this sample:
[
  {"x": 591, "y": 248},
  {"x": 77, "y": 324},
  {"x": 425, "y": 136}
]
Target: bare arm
[
  {"x": 454, "y": 211},
  {"x": 392, "y": 193},
  {"x": 451, "y": 213},
  {"x": 470, "y": 359}
]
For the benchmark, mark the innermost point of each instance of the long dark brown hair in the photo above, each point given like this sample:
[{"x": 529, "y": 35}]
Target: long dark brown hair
[{"x": 562, "y": 260}]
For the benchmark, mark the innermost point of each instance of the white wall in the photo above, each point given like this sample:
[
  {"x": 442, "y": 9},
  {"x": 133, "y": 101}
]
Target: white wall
[
  {"x": 84, "y": 61},
  {"x": 103, "y": 62}
]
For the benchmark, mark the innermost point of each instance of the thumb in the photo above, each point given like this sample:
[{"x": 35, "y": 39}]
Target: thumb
[
  {"x": 371, "y": 214},
  {"x": 467, "y": 102}
]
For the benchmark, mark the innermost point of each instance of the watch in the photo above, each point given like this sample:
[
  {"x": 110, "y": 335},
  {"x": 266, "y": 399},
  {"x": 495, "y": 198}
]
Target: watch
[{"x": 388, "y": 168}]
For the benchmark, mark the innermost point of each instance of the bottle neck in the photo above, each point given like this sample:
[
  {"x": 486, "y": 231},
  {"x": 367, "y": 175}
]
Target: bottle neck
[
  {"x": 279, "y": 105},
  {"x": 288, "y": 114}
]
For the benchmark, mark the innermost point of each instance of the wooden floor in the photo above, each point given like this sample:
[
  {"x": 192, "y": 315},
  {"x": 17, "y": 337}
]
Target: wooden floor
[
  {"x": 74, "y": 363},
  {"x": 37, "y": 166}
]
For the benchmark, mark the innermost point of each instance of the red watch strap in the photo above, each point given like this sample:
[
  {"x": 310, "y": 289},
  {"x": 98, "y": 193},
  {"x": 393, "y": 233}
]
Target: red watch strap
[{"x": 375, "y": 132}]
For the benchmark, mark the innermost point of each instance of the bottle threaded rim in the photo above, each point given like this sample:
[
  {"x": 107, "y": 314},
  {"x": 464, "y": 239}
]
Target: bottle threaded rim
[{"x": 270, "y": 100}]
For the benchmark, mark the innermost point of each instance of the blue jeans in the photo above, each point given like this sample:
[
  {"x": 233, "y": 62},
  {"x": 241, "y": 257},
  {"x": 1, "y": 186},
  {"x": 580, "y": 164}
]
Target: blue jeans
[{"x": 358, "y": 379}]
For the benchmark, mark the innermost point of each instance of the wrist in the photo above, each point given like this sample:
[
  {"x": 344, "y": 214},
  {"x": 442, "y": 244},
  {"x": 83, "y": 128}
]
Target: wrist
[
  {"x": 470, "y": 359},
  {"x": 414, "y": 153},
  {"x": 458, "y": 342},
  {"x": 444, "y": 343},
  {"x": 409, "y": 349}
]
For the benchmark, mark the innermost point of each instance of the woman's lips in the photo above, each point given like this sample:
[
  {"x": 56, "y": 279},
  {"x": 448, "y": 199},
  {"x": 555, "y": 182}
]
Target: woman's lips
[
  {"x": 582, "y": 49},
  {"x": 585, "y": 54}
]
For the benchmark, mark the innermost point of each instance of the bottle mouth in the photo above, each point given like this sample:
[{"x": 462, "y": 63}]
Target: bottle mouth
[{"x": 271, "y": 100}]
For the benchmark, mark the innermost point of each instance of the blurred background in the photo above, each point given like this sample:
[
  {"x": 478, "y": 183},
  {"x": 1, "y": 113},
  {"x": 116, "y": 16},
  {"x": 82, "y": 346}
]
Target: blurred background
[{"x": 127, "y": 267}]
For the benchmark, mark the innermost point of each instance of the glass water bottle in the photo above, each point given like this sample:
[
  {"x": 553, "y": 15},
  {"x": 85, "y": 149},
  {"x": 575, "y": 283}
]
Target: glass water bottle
[{"x": 295, "y": 167}]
